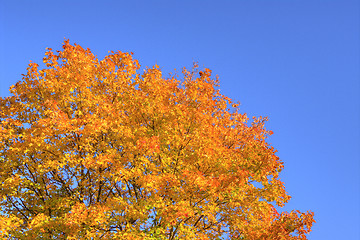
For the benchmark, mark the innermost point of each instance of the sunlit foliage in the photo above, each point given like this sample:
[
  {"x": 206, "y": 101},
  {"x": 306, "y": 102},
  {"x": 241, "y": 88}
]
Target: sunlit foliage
[{"x": 92, "y": 149}]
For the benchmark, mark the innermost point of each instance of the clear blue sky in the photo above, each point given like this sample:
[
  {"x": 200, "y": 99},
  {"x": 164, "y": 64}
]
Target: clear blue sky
[{"x": 294, "y": 61}]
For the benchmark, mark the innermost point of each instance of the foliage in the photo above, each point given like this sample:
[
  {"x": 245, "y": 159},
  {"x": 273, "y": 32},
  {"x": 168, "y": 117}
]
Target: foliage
[{"x": 91, "y": 149}]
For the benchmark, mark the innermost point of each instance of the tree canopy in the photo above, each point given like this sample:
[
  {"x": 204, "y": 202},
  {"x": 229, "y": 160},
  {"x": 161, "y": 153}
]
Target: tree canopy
[{"x": 91, "y": 149}]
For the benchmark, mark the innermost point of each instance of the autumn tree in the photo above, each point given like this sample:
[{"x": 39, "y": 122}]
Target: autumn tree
[{"x": 92, "y": 149}]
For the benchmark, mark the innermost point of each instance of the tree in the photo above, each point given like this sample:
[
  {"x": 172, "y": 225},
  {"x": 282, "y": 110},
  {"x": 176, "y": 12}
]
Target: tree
[{"x": 91, "y": 149}]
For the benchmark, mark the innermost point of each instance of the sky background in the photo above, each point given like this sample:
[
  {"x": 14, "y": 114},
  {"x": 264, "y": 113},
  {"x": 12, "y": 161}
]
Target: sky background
[{"x": 296, "y": 62}]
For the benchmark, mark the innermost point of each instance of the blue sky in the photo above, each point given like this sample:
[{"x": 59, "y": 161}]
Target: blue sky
[{"x": 296, "y": 62}]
